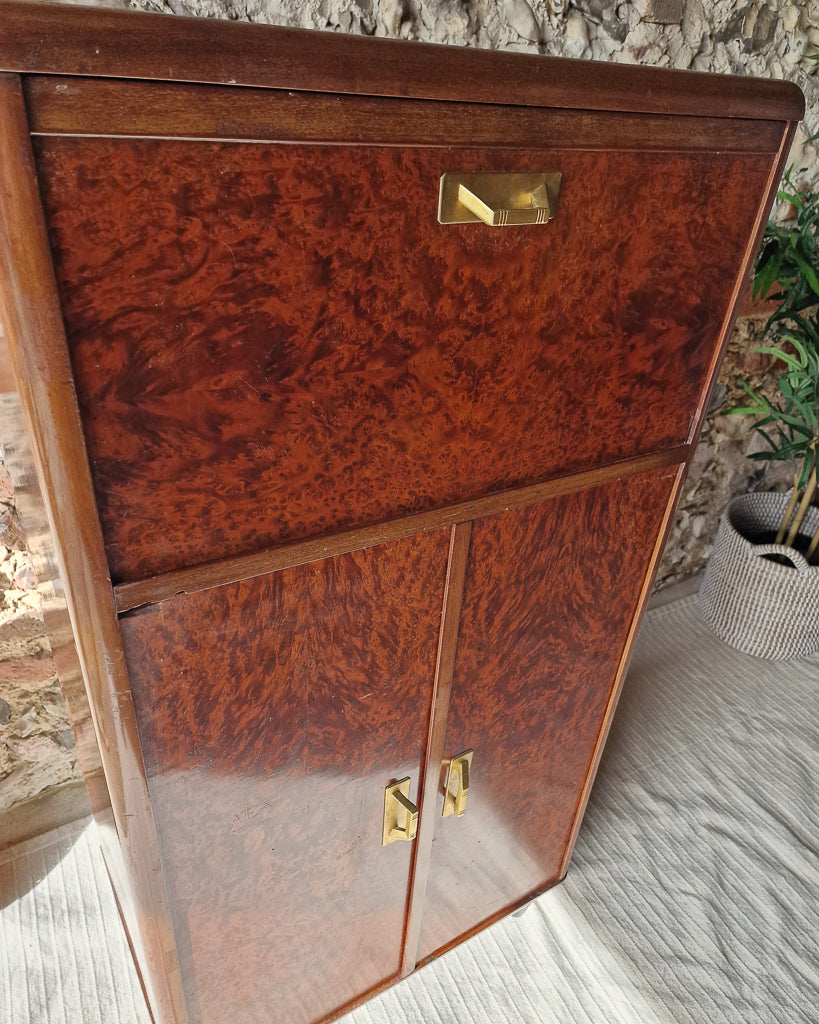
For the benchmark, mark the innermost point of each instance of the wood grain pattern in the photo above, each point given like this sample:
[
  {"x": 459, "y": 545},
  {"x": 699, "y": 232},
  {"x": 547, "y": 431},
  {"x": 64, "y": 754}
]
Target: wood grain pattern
[
  {"x": 550, "y": 594},
  {"x": 231, "y": 570},
  {"x": 60, "y": 105},
  {"x": 29, "y": 307},
  {"x": 273, "y": 713},
  {"x": 622, "y": 667},
  {"x": 428, "y": 786},
  {"x": 744, "y": 277},
  {"x": 268, "y": 345},
  {"x": 18, "y": 459},
  {"x": 116, "y": 44}
]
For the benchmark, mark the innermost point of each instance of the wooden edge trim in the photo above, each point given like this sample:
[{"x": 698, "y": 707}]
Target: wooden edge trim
[
  {"x": 33, "y": 322},
  {"x": 59, "y": 105},
  {"x": 622, "y": 668},
  {"x": 519, "y": 903},
  {"x": 431, "y": 776},
  {"x": 741, "y": 282},
  {"x": 119, "y": 44},
  {"x": 134, "y": 594},
  {"x": 28, "y": 497}
]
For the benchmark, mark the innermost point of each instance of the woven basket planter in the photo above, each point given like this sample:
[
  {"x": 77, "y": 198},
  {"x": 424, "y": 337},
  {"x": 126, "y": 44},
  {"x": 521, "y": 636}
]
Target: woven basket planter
[{"x": 754, "y": 604}]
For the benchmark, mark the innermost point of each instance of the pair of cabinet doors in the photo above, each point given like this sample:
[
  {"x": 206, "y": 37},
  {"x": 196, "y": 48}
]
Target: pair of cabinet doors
[
  {"x": 274, "y": 711},
  {"x": 239, "y": 326}
]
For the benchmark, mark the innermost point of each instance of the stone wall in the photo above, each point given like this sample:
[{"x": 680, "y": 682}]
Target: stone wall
[{"x": 37, "y": 750}]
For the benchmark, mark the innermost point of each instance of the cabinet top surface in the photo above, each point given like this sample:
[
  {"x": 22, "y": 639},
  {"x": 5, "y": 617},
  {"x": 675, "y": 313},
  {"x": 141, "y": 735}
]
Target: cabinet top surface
[{"x": 54, "y": 39}]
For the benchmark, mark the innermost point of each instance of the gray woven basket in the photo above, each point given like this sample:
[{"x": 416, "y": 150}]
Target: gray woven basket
[{"x": 756, "y": 605}]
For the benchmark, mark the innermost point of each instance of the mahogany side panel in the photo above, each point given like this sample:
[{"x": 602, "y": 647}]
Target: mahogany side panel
[
  {"x": 116, "y": 44},
  {"x": 29, "y": 307},
  {"x": 550, "y": 595},
  {"x": 274, "y": 343},
  {"x": 273, "y": 713},
  {"x": 60, "y": 105}
]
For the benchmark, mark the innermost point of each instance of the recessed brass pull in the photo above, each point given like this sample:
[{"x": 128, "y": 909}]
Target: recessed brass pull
[
  {"x": 400, "y": 813},
  {"x": 457, "y": 785},
  {"x": 500, "y": 200}
]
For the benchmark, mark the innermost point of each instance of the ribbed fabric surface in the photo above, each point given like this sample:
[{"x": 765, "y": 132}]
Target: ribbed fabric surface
[
  {"x": 692, "y": 896},
  {"x": 64, "y": 958}
]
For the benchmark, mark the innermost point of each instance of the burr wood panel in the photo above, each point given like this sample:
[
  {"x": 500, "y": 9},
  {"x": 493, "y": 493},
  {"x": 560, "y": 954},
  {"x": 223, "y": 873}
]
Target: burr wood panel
[
  {"x": 273, "y": 713},
  {"x": 231, "y": 570},
  {"x": 550, "y": 594},
  {"x": 272, "y": 343}
]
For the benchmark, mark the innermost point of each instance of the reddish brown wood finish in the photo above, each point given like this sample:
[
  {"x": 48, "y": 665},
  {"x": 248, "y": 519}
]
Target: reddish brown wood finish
[
  {"x": 30, "y": 311},
  {"x": 59, "y": 105},
  {"x": 428, "y": 787},
  {"x": 743, "y": 277},
  {"x": 273, "y": 713},
  {"x": 231, "y": 570},
  {"x": 550, "y": 594},
  {"x": 116, "y": 45},
  {"x": 281, "y": 355},
  {"x": 268, "y": 345},
  {"x": 622, "y": 668}
]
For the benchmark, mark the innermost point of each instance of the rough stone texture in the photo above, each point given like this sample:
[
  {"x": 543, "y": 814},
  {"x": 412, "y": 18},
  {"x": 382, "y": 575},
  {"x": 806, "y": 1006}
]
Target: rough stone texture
[
  {"x": 663, "y": 12},
  {"x": 36, "y": 743}
]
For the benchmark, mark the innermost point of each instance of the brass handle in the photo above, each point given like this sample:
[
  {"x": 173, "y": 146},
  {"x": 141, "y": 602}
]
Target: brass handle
[
  {"x": 500, "y": 200},
  {"x": 400, "y": 813},
  {"x": 456, "y": 788}
]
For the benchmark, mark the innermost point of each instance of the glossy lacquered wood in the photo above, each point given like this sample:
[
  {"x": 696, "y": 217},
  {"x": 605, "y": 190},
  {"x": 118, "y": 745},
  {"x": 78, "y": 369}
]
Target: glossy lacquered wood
[
  {"x": 33, "y": 325},
  {"x": 285, "y": 556},
  {"x": 60, "y": 105},
  {"x": 273, "y": 713},
  {"x": 416, "y": 479},
  {"x": 442, "y": 691},
  {"x": 268, "y": 345},
  {"x": 18, "y": 459},
  {"x": 742, "y": 282},
  {"x": 539, "y": 647},
  {"x": 625, "y": 658},
  {"x": 114, "y": 44}
]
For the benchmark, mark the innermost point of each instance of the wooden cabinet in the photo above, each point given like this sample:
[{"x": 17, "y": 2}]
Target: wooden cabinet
[{"x": 339, "y": 492}]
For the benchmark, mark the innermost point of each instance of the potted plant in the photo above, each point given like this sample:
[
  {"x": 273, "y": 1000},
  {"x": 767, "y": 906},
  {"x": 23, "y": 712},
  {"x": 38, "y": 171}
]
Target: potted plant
[{"x": 760, "y": 592}]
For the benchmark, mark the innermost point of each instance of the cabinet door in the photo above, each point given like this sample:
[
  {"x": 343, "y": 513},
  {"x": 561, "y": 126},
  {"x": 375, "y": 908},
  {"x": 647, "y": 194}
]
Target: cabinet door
[
  {"x": 272, "y": 713},
  {"x": 549, "y": 597},
  {"x": 276, "y": 342}
]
